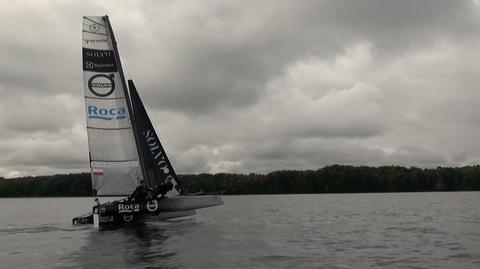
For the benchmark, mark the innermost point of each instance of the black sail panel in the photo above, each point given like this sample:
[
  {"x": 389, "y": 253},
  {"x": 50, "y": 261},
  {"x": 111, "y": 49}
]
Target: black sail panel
[{"x": 158, "y": 167}]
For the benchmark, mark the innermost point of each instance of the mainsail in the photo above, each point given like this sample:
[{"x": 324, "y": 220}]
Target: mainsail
[
  {"x": 114, "y": 158},
  {"x": 157, "y": 165}
]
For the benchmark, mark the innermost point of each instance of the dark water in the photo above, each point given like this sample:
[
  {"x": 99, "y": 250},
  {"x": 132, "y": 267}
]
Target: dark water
[{"x": 402, "y": 230}]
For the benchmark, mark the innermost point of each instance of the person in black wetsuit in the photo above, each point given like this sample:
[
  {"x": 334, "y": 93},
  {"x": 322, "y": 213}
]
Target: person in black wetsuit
[
  {"x": 141, "y": 194},
  {"x": 165, "y": 187}
]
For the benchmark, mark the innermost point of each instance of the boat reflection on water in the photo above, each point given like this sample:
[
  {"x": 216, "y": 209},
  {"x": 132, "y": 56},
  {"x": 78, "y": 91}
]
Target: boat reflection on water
[{"x": 142, "y": 245}]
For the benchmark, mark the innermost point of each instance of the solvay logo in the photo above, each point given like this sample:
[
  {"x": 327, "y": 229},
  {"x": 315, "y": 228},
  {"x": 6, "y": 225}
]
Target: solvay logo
[
  {"x": 156, "y": 151},
  {"x": 101, "y": 113}
]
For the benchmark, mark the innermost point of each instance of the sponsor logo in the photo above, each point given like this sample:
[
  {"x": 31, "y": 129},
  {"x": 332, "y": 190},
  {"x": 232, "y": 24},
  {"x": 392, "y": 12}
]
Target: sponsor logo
[
  {"x": 98, "y": 60},
  {"x": 94, "y": 27},
  {"x": 103, "y": 218},
  {"x": 101, "y": 85},
  {"x": 156, "y": 151},
  {"x": 95, "y": 41},
  {"x": 128, "y": 208},
  {"x": 128, "y": 217},
  {"x": 97, "y": 172},
  {"x": 152, "y": 205},
  {"x": 98, "y": 54},
  {"x": 101, "y": 113}
]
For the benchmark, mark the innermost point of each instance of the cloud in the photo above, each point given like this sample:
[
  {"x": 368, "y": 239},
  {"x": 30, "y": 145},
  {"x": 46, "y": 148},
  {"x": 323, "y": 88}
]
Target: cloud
[
  {"x": 404, "y": 111},
  {"x": 43, "y": 152},
  {"x": 252, "y": 86}
]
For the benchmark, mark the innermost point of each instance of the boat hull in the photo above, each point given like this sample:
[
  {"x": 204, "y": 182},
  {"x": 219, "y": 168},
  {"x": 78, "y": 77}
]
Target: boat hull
[
  {"x": 176, "y": 203},
  {"x": 125, "y": 211}
]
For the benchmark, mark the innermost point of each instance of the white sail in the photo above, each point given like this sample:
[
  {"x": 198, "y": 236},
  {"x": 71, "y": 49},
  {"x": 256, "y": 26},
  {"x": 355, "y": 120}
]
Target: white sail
[{"x": 113, "y": 154}]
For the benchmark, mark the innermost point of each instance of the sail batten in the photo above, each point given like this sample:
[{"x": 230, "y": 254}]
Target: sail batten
[
  {"x": 106, "y": 98},
  {"x": 99, "y": 128},
  {"x": 114, "y": 161},
  {"x": 93, "y": 21}
]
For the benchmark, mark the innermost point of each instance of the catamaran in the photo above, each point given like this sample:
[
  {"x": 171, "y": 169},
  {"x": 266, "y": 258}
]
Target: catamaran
[{"x": 124, "y": 149}]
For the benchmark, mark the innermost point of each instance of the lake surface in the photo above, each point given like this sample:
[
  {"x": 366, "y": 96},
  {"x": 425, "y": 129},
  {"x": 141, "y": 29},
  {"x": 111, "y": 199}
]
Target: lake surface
[{"x": 387, "y": 230}]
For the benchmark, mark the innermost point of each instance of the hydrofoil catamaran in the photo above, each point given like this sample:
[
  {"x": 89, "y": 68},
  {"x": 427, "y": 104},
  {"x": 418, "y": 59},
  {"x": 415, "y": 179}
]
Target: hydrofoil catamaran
[{"x": 125, "y": 151}]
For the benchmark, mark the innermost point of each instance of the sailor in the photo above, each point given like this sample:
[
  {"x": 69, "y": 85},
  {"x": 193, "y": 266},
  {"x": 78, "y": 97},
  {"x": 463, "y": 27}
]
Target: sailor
[
  {"x": 141, "y": 194},
  {"x": 165, "y": 187}
]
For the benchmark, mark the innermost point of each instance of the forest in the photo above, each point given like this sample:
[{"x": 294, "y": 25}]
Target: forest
[{"x": 329, "y": 179}]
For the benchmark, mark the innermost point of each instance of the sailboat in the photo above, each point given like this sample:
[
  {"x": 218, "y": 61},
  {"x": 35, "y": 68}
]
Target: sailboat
[{"x": 124, "y": 149}]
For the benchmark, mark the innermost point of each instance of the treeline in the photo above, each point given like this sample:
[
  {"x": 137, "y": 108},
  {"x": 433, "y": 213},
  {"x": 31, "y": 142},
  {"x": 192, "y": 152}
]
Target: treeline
[
  {"x": 56, "y": 185},
  {"x": 330, "y": 179},
  {"x": 341, "y": 179}
]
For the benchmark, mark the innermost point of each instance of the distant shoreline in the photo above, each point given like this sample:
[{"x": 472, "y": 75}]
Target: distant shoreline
[
  {"x": 273, "y": 194},
  {"x": 331, "y": 179}
]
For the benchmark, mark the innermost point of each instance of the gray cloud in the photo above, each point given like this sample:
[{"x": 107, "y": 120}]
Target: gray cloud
[{"x": 224, "y": 54}]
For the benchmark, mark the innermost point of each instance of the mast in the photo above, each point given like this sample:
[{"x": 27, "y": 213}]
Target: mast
[{"x": 140, "y": 150}]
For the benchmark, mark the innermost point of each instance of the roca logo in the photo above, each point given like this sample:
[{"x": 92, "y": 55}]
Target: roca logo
[
  {"x": 122, "y": 208},
  {"x": 101, "y": 85},
  {"x": 101, "y": 113}
]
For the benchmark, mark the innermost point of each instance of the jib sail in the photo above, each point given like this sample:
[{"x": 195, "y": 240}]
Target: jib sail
[
  {"x": 114, "y": 159},
  {"x": 158, "y": 168}
]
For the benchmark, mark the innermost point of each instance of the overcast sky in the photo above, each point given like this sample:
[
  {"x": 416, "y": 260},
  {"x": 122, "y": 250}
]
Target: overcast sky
[{"x": 252, "y": 86}]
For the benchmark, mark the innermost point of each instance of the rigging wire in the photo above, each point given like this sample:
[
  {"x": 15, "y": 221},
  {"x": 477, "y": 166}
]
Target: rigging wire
[
  {"x": 124, "y": 59},
  {"x": 130, "y": 72}
]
